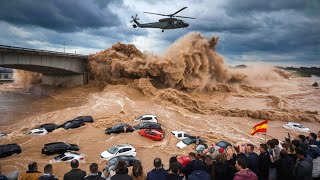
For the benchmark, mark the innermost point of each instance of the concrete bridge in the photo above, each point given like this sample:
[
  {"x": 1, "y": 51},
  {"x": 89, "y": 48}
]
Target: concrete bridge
[{"x": 57, "y": 68}]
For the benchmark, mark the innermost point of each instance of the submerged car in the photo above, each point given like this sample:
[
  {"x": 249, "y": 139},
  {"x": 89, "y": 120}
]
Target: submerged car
[
  {"x": 152, "y": 134},
  {"x": 67, "y": 157},
  {"x": 40, "y": 131},
  {"x": 119, "y": 128},
  {"x": 190, "y": 140},
  {"x": 9, "y": 150},
  {"x": 184, "y": 160},
  {"x": 130, "y": 161},
  {"x": 3, "y": 135},
  {"x": 85, "y": 118},
  {"x": 180, "y": 134},
  {"x": 72, "y": 124},
  {"x": 296, "y": 127},
  {"x": 58, "y": 148},
  {"x": 119, "y": 150},
  {"x": 147, "y": 118},
  {"x": 223, "y": 144},
  {"x": 49, "y": 127},
  {"x": 148, "y": 125}
]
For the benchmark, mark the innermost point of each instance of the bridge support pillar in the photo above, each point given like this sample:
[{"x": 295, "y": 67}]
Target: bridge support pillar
[{"x": 65, "y": 80}]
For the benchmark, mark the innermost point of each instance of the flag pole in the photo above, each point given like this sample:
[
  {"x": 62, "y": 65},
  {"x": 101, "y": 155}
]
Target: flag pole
[{"x": 265, "y": 137}]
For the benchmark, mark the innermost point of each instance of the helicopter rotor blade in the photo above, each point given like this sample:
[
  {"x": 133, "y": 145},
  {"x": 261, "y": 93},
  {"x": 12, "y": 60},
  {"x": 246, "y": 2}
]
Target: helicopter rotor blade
[
  {"x": 184, "y": 17},
  {"x": 156, "y": 14},
  {"x": 178, "y": 11}
]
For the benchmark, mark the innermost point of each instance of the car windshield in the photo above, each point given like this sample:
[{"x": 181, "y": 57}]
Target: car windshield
[
  {"x": 117, "y": 126},
  {"x": 139, "y": 118},
  {"x": 113, "y": 150},
  {"x": 221, "y": 144},
  {"x": 188, "y": 141},
  {"x": 59, "y": 157}
]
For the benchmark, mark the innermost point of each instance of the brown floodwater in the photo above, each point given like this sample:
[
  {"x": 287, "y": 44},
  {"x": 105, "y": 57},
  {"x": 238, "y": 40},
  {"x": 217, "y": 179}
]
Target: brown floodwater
[{"x": 122, "y": 103}]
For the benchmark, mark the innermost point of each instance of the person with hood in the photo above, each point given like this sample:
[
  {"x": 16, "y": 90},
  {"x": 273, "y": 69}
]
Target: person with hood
[
  {"x": 199, "y": 172},
  {"x": 174, "y": 173},
  {"x": 264, "y": 161},
  {"x": 121, "y": 171},
  {"x": 75, "y": 173},
  {"x": 284, "y": 166},
  {"x": 48, "y": 173},
  {"x": 32, "y": 173},
  {"x": 253, "y": 158},
  {"x": 158, "y": 173},
  {"x": 303, "y": 167},
  {"x": 94, "y": 173},
  {"x": 243, "y": 172}
]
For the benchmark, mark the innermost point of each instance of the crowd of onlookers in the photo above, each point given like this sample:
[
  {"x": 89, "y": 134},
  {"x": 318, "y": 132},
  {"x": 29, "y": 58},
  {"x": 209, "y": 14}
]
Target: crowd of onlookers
[{"x": 297, "y": 159}]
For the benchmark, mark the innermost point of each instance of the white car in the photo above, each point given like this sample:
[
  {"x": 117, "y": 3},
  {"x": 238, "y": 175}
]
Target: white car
[
  {"x": 180, "y": 134},
  {"x": 296, "y": 127},
  {"x": 40, "y": 131},
  {"x": 147, "y": 118},
  {"x": 2, "y": 135},
  {"x": 119, "y": 150},
  {"x": 68, "y": 157}
]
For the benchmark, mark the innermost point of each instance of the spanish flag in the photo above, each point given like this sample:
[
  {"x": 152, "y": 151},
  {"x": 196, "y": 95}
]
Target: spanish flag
[{"x": 261, "y": 127}]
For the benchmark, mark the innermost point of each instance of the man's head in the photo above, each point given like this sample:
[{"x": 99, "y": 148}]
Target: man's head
[
  {"x": 271, "y": 144},
  {"x": 276, "y": 141},
  {"x": 93, "y": 168},
  {"x": 174, "y": 167},
  {"x": 48, "y": 169},
  {"x": 302, "y": 138},
  {"x": 192, "y": 156},
  {"x": 283, "y": 152},
  {"x": 313, "y": 136},
  {"x": 74, "y": 164},
  {"x": 241, "y": 164},
  {"x": 33, "y": 166},
  {"x": 249, "y": 148},
  {"x": 263, "y": 148},
  {"x": 121, "y": 167},
  {"x": 208, "y": 160},
  {"x": 157, "y": 163},
  {"x": 301, "y": 153}
]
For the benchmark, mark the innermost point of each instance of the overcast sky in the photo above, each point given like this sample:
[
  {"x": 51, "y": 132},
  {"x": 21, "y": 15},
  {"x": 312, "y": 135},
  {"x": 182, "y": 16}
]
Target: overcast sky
[{"x": 276, "y": 31}]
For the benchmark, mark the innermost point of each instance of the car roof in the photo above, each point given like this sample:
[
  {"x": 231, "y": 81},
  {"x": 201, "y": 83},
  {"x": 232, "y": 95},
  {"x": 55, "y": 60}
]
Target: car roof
[
  {"x": 53, "y": 143},
  {"x": 175, "y": 132},
  {"x": 292, "y": 123},
  {"x": 122, "y": 145},
  {"x": 148, "y": 115},
  {"x": 153, "y": 130}
]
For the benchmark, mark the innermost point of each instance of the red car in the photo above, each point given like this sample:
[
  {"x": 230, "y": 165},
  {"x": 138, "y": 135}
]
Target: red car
[{"x": 152, "y": 134}]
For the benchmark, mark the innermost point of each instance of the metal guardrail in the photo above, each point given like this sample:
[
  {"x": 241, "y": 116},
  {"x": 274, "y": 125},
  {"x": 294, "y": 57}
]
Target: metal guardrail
[{"x": 42, "y": 51}]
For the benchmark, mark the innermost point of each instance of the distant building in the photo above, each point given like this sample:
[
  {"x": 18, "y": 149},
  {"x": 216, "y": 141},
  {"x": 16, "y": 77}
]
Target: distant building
[{"x": 6, "y": 75}]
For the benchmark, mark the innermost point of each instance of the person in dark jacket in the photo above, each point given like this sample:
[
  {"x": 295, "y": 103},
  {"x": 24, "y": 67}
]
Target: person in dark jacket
[
  {"x": 190, "y": 167},
  {"x": 284, "y": 166},
  {"x": 94, "y": 173},
  {"x": 208, "y": 163},
  {"x": 121, "y": 171},
  {"x": 75, "y": 173},
  {"x": 253, "y": 158},
  {"x": 48, "y": 173},
  {"x": 174, "y": 173},
  {"x": 199, "y": 172},
  {"x": 174, "y": 159},
  {"x": 303, "y": 167},
  {"x": 240, "y": 153},
  {"x": 221, "y": 170},
  {"x": 264, "y": 161},
  {"x": 158, "y": 173}
]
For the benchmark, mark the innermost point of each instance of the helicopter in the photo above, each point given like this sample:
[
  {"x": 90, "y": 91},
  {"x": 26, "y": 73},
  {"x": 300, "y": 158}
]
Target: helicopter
[{"x": 165, "y": 23}]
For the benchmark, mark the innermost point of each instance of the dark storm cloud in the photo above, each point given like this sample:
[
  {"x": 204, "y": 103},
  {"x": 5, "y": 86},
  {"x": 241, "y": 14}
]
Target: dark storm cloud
[{"x": 59, "y": 15}]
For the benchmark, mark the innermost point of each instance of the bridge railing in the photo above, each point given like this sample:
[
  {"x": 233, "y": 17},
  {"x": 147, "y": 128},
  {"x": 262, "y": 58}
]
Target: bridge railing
[{"x": 41, "y": 51}]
